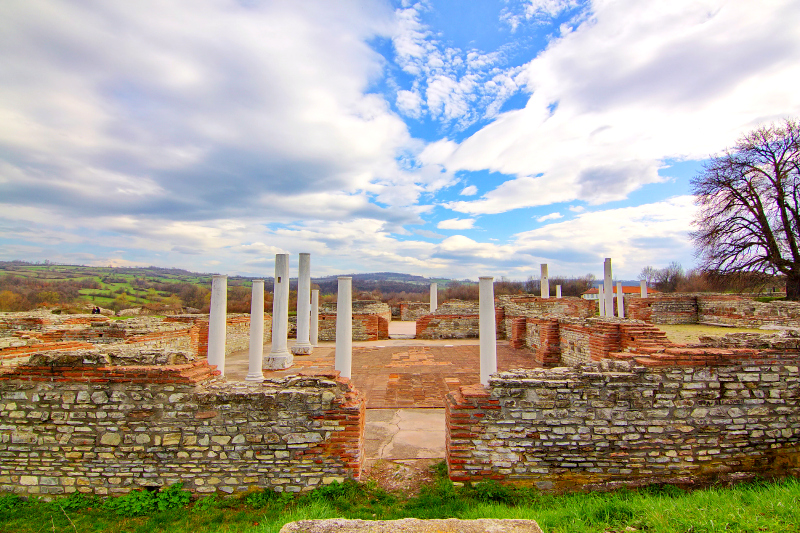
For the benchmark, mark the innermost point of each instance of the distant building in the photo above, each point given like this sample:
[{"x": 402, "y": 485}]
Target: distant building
[{"x": 591, "y": 294}]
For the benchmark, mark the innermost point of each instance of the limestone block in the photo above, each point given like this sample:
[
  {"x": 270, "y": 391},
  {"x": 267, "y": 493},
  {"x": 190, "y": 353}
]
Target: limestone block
[{"x": 412, "y": 525}]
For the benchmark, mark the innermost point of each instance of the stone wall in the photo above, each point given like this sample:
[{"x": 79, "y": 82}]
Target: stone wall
[
  {"x": 370, "y": 321},
  {"x": 453, "y": 319},
  {"x": 71, "y": 422},
  {"x": 534, "y": 306},
  {"x": 411, "y": 311},
  {"x": 727, "y": 309},
  {"x": 686, "y": 419}
]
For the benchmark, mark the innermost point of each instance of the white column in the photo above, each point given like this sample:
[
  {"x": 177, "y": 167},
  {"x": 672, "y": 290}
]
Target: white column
[
  {"x": 643, "y": 288},
  {"x": 434, "y": 297},
  {"x": 545, "y": 282},
  {"x": 620, "y": 301},
  {"x": 558, "y": 291},
  {"x": 217, "y": 321},
  {"x": 343, "y": 357},
  {"x": 303, "y": 346},
  {"x": 487, "y": 329},
  {"x": 254, "y": 372},
  {"x": 608, "y": 287},
  {"x": 314, "y": 333},
  {"x": 279, "y": 356},
  {"x": 601, "y": 299}
]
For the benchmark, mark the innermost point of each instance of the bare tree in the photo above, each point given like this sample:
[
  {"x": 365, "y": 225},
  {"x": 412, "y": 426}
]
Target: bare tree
[
  {"x": 648, "y": 274},
  {"x": 749, "y": 198},
  {"x": 668, "y": 278}
]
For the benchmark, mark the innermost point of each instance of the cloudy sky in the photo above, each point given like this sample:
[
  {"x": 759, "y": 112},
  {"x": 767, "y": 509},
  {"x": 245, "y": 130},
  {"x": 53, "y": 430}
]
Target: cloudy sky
[{"x": 440, "y": 138}]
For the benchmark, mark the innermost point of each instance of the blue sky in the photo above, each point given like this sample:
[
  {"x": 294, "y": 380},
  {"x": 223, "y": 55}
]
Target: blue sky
[{"x": 440, "y": 138}]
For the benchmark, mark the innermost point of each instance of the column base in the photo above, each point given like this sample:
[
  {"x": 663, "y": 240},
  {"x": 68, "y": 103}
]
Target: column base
[
  {"x": 278, "y": 361},
  {"x": 255, "y": 377},
  {"x": 302, "y": 349}
]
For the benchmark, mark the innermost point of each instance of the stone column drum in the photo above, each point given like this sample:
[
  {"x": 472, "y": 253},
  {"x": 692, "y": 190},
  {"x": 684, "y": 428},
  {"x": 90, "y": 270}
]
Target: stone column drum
[
  {"x": 434, "y": 297},
  {"x": 254, "y": 371},
  {"x": 314, "y": 326},
  {"x": 620, "y": 301},
  {"x": 487, "y": 329},
  {"x": 279, "y": 356},
  {"x": 217, "y": 321},
  {"x": 343, "y": 356},
  {"x": 545, "y": 282},
  {"x": 558, "y": 291},
  {"x": 303, "y": 344},
  {"x": 608, "y": 287},
  {"x": 643, "y": 288}
]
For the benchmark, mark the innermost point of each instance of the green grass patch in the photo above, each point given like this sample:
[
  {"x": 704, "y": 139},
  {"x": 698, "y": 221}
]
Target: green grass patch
[{"x": 751, "y": 507}]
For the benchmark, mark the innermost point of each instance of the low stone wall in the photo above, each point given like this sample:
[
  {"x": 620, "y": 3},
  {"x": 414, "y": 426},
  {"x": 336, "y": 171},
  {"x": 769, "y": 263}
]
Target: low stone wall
[
  {"x": 620, "y": 423},
  {"x": 73, "y": 423},
  {"x": 411, "y": 311},
  {"x": 370, "y": 321},
  {"x": 730, "y": 309},
  {"x": 453, "y": 319},
  {"x": 237, "y": 331}
]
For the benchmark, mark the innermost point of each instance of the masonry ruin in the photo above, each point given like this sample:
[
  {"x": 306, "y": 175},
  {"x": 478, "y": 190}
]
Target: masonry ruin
[{"x": 104, "y": 406}]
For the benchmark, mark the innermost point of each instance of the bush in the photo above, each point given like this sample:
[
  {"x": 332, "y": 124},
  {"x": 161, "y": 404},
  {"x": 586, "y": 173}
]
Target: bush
[{"x": 138, "y": 502}]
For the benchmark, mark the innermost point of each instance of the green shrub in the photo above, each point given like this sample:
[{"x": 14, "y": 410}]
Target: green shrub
[
  {"x": 138, "y": 502},
  {"x": 173, "y": 497}
]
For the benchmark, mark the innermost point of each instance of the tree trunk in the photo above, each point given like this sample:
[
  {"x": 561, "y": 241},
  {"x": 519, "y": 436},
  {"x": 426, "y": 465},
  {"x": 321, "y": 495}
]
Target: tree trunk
[{"x": 793, "y": 287}]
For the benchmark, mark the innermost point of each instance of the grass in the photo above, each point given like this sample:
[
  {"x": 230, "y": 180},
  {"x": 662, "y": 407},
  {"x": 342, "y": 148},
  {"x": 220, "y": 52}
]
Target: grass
[{"x": 750, "y": 507}]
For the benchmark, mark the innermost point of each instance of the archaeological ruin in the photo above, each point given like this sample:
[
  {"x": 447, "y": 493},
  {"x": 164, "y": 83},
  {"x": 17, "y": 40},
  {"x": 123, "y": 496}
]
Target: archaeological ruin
[{"x": 101, "y": 405}]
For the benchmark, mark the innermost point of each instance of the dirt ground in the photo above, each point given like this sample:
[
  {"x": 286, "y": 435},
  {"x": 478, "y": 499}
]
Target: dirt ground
[{"x": 690, "y": 333}]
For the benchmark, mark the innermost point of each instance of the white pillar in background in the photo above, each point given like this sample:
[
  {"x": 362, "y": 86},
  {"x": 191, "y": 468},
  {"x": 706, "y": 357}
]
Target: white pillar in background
[
  {"x": 558, "y": 291},
  {"x": 620, "y": 301},
  {"x": 601, "y": 299},
  {"x": 608, "y": 287},
  {"x": 279, "y": 356},
  {"x": 217, "y": 318},
  {"x": 487, "y": 329},
  {"x": 254, "y": 371},
  {"x": 434, "y": 297},
  {"x": 545, "y": 282},
  {"x": 643, "y": 288},
  {"x": 314, "y": 326},
  {"x": 303, "y": 344},
  {"x": 343, "y": 356}
]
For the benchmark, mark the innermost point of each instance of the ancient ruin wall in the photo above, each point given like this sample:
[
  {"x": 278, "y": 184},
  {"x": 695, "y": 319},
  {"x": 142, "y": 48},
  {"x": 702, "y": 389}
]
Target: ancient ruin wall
[
  {"x": 453, "y": 319},
  {"x": 411, "y": 311},
  {"x": 727, "y": 309},
  {"x": 68, "y": 426},
  {"x": 615, "y": 423},
  {"x": 370, "y": 321}
]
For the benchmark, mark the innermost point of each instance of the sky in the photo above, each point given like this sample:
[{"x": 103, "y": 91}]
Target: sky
[{"x": 448, "y": 139}]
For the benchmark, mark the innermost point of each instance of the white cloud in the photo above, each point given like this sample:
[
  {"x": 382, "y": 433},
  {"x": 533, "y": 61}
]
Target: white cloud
[
  {"x": 577, "y": 208},
  {"x": 635, "y": 84},
  {"x": 456, "y": 223},
  {"x": 453, "y": 86},
  {"x": 538, "y": 11},
  {"x": 470, "y": 190},
  {"x": 551, "y": 216}
]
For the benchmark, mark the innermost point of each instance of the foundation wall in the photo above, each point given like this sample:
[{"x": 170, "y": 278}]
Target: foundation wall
[
  {"x": 370, "y": 321},
  {"x": 618, "y": 423},
  {"x": 733, "y": 310},
  {"x": 411, "y": 311},
  {"x": 69, "y": 427}
]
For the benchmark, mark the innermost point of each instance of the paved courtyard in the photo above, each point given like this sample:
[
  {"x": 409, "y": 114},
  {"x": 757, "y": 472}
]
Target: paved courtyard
[{"x": 403, "y": 373}]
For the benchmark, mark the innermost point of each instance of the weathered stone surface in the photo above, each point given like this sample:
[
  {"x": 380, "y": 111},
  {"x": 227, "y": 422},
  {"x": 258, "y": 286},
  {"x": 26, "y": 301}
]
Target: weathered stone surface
[{"x": 412, "y": 525}]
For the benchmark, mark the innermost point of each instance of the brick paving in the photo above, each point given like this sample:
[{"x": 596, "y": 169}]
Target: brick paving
[{"x": 418, "y": 375}]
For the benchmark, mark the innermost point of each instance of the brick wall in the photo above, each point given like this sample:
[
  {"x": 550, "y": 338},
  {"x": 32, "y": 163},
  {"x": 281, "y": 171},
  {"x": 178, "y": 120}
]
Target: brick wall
[
  {"x": 237, "y": 332},
  {"x": 370, "y": 321},
  {"x": 68, "y": 426},
  {"x": 534, "y": 306},
  {"x": 620, "y": 423}
]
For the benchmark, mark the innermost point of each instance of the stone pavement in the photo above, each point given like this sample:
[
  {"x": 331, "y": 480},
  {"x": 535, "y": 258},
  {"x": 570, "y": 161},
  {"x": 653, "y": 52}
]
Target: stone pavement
[
  {"x": 400, "y": 373},
  {"x": 404, "y": 381}
]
